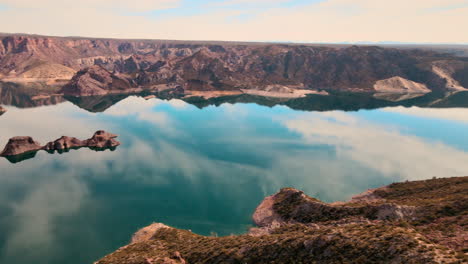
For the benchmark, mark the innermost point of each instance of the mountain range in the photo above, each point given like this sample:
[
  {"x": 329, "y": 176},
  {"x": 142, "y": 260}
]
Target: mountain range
[{"x": 82, "y": 64}]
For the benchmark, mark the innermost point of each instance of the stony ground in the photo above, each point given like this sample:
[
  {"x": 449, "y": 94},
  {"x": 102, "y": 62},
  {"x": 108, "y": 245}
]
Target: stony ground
[{"x": 412, "y": 222}]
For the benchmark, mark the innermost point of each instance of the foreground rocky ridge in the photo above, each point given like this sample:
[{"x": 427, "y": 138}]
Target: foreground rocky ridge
[
  {"x": 412, "y": 222},
  {"x": 204, "y": 66},
  {"x": 23, "y": 147}
]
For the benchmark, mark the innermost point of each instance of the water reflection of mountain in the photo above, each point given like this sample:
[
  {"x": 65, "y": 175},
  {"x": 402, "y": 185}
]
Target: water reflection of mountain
[
  {"x": 96, "y": 104},
  {"x": 28, "y": 95},
  {"x": 344, "y": 101},
  {"x": 338, "y": 101},
  {"x": 25, "y": 96},
  {"x": 354, "y": 102}
]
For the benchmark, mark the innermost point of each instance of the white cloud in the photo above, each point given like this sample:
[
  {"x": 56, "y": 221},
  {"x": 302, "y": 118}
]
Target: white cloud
[
  {"x": 381, "y": 148},
  {"x": 453, "y": 114},
  {"x": 34, "y": 215},
  {"x": 16, "y": 123},
  {"x": 328, "y": 21},
  {"x": 135, "y": 5}
]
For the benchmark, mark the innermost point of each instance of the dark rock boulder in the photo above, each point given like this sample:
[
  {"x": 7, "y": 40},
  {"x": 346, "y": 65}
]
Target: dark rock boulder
[
  {"x": 20, "y": 145},
  {"x": 2, "y": 110},
  {"x": 63, "y": 143},
  {"x": 95, "y": 80},
  {"x": 102, "y": 139}
]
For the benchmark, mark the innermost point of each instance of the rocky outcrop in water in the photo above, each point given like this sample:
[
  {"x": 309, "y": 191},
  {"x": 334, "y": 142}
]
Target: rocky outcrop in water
[
  {"x": 21, "y": 148},
  {"x": 100, "y": 140},
  {"x": 2, "y": 110},
  {"x": 20, "y": 145},
  {"x": 411, "y": 222},
  {"x": 212, "y": 66},
  {"x": 64, "y": 143}
]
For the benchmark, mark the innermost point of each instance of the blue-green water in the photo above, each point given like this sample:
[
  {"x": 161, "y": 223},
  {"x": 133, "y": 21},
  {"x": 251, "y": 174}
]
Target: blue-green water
[{"x": 201, "y": 169}]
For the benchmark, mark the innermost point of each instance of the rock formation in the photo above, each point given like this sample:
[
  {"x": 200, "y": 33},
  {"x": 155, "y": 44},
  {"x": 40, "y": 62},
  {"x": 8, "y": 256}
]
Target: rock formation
[
  {"x": 49, "y": 73},
  {"x": 291, "y": 205},
  {"x": 400, "y": 85},
  {"x": 64, "y": 143},
  {"x": 19, "y": 146},
  {"x": 212, "y": 66},
  {"x": 101, "y": 139},
  {"x": 95, "y": 80},
  {"x": 412, "y": 222},
  {"x": 446, "y": 70}
]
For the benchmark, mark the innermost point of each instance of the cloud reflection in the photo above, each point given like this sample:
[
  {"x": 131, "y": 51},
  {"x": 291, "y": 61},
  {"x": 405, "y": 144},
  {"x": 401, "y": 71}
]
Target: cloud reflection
[
  {"x": 452, "y": 114},
  {"x": 204, "y": 170},
  {"x": 382, "y": 147}
]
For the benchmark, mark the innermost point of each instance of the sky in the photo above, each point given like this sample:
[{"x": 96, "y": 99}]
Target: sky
[{"x": 332, "y": 21}]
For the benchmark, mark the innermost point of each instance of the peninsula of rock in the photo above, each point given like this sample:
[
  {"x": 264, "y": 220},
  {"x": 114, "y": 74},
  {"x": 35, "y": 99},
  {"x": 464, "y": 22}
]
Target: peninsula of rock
[{"x": 410, "y": 222}]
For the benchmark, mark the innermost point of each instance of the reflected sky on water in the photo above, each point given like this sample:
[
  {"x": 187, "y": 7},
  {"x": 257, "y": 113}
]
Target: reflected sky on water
[{"x": 202, "y": 169}]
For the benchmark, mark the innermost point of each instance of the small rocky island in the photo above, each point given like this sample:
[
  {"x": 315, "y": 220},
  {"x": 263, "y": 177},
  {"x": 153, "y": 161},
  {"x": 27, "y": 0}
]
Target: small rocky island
[
  {"x": 24, "y": 147},
  {"x": 411, "y": 222}
]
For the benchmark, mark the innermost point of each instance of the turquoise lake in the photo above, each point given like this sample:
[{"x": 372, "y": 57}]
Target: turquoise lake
[{"x": 202, "y": 168}]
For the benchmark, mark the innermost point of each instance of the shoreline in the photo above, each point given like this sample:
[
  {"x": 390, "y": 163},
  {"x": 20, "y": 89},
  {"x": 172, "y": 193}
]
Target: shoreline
[{"x": 293, "y": 227}]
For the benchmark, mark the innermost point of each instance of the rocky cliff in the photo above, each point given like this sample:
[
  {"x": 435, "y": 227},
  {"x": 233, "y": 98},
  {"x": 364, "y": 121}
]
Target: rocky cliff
[
  {"x": 412, "y": 222},
  {"x": 95, "y": 80},
  {"x": 233, "y": 66}
]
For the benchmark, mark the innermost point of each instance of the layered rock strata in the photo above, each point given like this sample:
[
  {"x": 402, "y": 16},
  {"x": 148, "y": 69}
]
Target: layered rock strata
[{"x": 227, "y": 66}]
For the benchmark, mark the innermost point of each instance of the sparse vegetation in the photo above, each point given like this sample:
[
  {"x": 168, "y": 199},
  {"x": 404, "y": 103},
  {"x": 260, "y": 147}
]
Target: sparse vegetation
[{"x": 315, "y": 232}]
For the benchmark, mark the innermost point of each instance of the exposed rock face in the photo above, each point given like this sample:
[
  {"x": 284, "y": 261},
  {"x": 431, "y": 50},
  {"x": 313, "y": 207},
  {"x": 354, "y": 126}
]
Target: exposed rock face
[
  {"x": 43, "y": 72},
  {"x": 206, "y": 66},
  {"x": 146, "y": 233},
  {"x": 265, "y": 215},
  {"x": 20, "y": 145},
  {"x": 64, "y": 143},
  {"x": 95, "y": 80},
  {"x": 291, "y": 205},
  {"x": 412, "y": 222},
  {"x": 400, "y": 85},
  {"x": 102, "y": 139},
  {"x": 446, "y": 70},
  {"x": 17, "y": 146}
]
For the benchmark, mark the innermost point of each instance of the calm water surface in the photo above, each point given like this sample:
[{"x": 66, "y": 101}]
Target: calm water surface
[{"x": 201, "y": 169}]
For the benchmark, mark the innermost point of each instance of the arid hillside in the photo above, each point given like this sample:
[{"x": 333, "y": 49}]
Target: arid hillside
[
  {"x": 412, "y": 222},
  {"x": 205, "y": 66}
]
